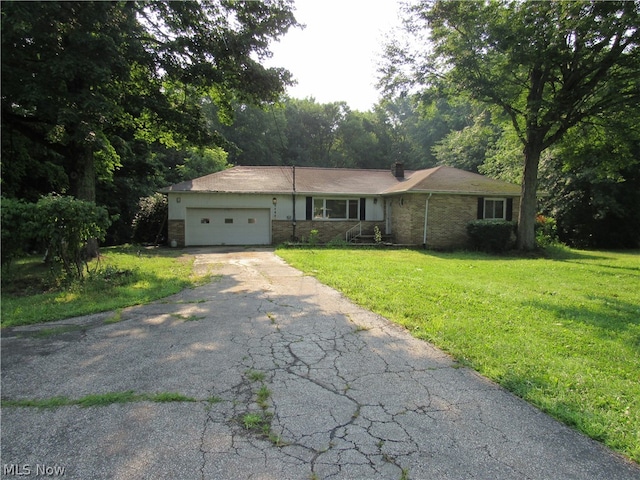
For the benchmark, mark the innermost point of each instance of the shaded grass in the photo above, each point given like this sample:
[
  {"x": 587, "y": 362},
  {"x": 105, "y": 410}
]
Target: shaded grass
[
  {"x": 562, "y": 332},
  {"x": 121, "y": 277}
]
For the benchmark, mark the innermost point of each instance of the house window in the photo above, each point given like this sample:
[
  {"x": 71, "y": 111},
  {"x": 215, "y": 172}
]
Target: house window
[
  {"x": 228, "y": 220},
  {"x": 335, "y": 209},
  {"x": 494, "y": 208},
  {"x": 204, "y": 220},
  {"x": 252, "y": 220}
]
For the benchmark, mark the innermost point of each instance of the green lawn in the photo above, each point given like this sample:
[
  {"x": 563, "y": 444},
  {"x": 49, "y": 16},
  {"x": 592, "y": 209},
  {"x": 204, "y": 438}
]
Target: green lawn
[
  {"x": 123, "y": 276},
  {"x": 561, "y": 332}
]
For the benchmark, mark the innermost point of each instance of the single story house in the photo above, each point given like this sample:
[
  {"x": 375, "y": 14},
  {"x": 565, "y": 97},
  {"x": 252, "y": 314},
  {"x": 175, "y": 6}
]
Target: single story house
[{"x": 265, "y": 205}]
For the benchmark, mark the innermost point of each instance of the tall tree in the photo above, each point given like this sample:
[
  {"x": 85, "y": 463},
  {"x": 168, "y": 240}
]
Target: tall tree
[
  {"x": 80, "y": 80},
  {"x": 546, "y": 65}
]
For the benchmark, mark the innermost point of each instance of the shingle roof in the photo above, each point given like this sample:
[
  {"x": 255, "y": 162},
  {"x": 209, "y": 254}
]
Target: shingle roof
[
  {"x": 337, "y": 181},
  {"x": 445, "y": 179}
]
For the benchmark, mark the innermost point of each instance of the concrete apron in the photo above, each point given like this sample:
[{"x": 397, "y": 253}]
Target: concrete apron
[{"x": 348, "y": 394}]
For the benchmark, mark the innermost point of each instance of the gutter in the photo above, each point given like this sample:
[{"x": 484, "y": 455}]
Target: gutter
[{"x": 426, "y": 216}]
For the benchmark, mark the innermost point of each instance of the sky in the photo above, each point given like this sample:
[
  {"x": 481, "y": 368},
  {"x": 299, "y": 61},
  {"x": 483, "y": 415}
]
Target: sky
[{"x": 335, "y": 57}]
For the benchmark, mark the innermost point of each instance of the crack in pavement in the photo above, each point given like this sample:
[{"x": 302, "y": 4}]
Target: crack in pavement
[
  {"x": 350, "y": 395},
  {"x": 335, "y": 364}
]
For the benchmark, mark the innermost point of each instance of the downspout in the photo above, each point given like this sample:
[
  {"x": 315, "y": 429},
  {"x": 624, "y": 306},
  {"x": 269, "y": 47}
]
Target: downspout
[
  {"x": 293, "y": 199},
  {"x": 426, "y": 216}
]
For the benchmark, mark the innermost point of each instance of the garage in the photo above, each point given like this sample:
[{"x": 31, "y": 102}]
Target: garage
[{"x": 228, "y": 226}]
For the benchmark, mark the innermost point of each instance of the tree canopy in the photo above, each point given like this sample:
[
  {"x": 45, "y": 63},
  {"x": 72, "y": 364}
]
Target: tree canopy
[
  {"x": 84, "y": 82},
  {"x": 110, "y": 101},
  {"x": 546, "y": 66}
]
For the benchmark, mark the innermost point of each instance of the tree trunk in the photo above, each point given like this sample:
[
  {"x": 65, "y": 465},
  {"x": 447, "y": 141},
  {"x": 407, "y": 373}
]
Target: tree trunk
[
  {"x": 528, "y": 198},
  {"x": 84, "y": 186}
]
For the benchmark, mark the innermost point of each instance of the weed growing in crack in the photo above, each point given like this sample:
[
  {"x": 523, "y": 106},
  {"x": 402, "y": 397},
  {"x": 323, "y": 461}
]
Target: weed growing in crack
[
  {"x": 271, "y": 317},
  {"x": 277, "y": 440},
  {"x": 255, "y": 375},
  {"x": 252, "y": 421},
  {"x": 211, "y": 401},
  {"x": 100, "y": 400},
  {"x": 261, "y": 421},
  {"x": 258, "y": 422},
  {"x": 263, "y": 396},
  {"x": 405, "y": 474},
  {"x": 166, "y": 397}
]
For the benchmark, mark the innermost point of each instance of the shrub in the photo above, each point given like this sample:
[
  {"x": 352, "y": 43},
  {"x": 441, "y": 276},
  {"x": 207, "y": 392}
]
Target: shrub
[
  {"x": 338, "y": 242},
  {"x": 377, "y": 235},
  {"x": 60, "y": 224},
  {"x": 66, "y": 225},
  {"x": 491, "y": 235},
  {"x": 150, "y": 222},
  {"x": 546, "y": 231},
  {"x": 313, "y": 238},
  {"x": 18, "y": 228}
]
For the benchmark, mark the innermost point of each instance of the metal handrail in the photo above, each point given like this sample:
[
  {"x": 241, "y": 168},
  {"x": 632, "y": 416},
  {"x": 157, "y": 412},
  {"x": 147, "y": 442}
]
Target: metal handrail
[{"x": 351, "y": 233}]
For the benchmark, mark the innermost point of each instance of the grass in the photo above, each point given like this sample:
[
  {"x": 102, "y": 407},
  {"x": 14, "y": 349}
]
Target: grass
[
  {"x": 123, "y": 276},
  {"x": 99, "y": 400},
  {"x": 562, "y": 332}
]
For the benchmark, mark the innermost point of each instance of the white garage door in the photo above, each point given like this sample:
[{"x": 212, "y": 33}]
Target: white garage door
[{"x": 227, "y": 226}]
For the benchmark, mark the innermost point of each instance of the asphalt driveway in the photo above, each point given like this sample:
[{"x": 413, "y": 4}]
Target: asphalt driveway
[{"x": 290, "y": 381}]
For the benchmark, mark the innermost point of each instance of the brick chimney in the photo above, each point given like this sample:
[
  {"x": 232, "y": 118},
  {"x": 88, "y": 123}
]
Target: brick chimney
[{"x": 397, "y": 169}]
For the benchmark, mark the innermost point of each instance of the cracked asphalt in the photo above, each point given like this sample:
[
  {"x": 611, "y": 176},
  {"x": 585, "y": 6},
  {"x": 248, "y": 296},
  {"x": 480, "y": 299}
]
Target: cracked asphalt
[{"x": 333, "y": 391}]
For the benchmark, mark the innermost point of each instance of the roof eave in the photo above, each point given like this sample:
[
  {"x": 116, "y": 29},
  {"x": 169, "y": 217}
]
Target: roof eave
[{"x": 453, "y": 192}]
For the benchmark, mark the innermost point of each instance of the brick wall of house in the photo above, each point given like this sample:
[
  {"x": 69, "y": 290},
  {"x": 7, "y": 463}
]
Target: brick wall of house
[
  {"x": 281, "y": 231},
  {"x": 447, "y": 219},
  {"x": 176, "y": 232},
  {"x": 406, "y": 219}
]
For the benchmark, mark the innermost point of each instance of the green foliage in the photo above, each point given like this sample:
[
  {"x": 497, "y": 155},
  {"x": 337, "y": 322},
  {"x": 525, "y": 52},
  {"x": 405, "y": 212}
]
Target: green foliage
[
  {"x": 99, "y": 400},
  {"x": 338, "y": 242},
  {"x": 306, "y": 133},
  {"x": 18, "y": 224},
  {"x": 120, "y": 277},
  {"x": 150, "y": 223},
  {"x": 377, "y": 235},
  {"x": 66, "y": 225},
  {"x": 593, "y": 181},
  {"x": 503, "y": 159},
  {"x": 93, "y": 91},
  {"x": 313, "y": 238},
  {"x": 253, "y": 421},
  {"x": 547, "y": 66},
  {"x": 546, "y": 231},
  {"x": 467, "y": 148},
  {"x": 561, "y": 332},
  {"x": 491, "y": 235},
  {"x": 202, "y": 161},
  {"x": 61, "y": 224}
]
